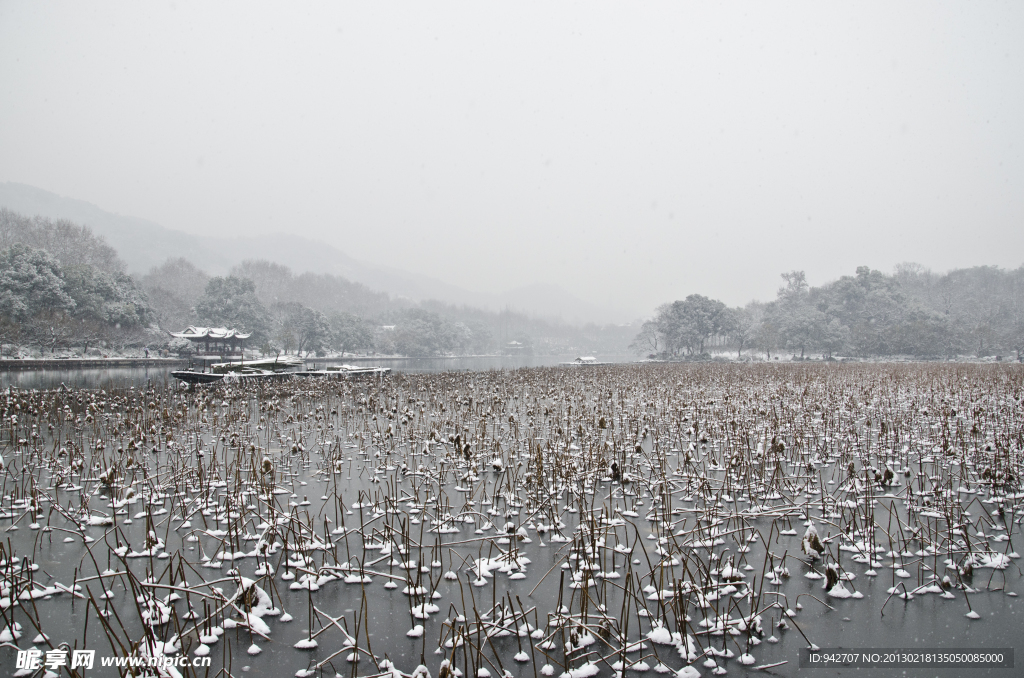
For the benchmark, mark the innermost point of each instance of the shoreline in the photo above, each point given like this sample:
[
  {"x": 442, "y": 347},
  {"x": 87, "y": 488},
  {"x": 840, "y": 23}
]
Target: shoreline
[
  {"x": 15, "y": 365},
  {"x": 19, "y": 364}
]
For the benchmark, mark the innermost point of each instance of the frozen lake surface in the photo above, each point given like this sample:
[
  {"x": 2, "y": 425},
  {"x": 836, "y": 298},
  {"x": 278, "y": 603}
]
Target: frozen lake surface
[{"x": 636, "y": 518}]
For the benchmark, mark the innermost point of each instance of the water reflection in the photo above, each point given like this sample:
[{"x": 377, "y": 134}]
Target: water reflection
[{"x": 103, "y": 378}]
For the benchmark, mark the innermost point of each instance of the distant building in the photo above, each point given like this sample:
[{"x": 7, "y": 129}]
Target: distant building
[
  {"x": 215, "y": 340},
  {"x": 514, "y": 348}
]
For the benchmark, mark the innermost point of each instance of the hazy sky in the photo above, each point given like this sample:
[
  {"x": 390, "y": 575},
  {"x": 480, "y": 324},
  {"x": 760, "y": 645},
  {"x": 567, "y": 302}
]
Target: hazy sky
[{"x": 633, "y": 153}]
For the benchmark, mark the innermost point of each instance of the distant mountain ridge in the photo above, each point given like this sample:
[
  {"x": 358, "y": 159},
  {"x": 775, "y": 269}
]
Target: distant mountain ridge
[{"x": 143, "y": 244}]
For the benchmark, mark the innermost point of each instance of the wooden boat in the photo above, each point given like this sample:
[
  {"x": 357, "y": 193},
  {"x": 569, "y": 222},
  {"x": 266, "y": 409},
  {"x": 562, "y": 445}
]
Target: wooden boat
[
  {"x": 193, "y": 377},
  {"x": 276, "y": 365},
  {"x": 281, "y": 367},
  {"x": 345, "y": 371},
  {"x": 584, "y": 360}
]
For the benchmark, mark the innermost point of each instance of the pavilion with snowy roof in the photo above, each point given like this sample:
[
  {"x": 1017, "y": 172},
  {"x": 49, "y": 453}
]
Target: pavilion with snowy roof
[{"x": 214, "y": 340}]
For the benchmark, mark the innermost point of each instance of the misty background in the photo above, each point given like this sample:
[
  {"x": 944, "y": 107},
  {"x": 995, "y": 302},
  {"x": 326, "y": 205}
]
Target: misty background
[{"x": 553, "y": 173}]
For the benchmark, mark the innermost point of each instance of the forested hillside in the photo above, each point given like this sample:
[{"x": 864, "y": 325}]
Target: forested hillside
[
  {"x": 913, "y": 312},
  {"x": 64, "y": 288},
  {"x": 321, "y": 313},
  {"x": 60, "y": 285}
]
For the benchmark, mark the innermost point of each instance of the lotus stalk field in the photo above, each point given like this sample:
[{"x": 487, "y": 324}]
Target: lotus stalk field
[{"x": 692, "y": 519}]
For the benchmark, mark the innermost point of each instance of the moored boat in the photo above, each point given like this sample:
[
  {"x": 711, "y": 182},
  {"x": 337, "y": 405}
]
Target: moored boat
[
  {"x": 345, "y": 371},
  {"x": 280, "y": 367},
  {"x": 584, "y": 360}
]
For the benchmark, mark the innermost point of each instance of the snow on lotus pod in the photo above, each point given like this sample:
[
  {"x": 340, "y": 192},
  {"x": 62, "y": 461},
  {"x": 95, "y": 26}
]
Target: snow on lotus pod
[
  {"x": 730, "y": 573},
  {"x": 585, "y": 671},
  {"x": 811, "y": 544},
  {"x": 839, "y": 591},
  {"x": 660, "y": 635}
]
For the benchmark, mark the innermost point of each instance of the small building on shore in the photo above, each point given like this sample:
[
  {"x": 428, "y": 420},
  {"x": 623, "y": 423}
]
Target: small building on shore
[{"x": 219, "y": 341}]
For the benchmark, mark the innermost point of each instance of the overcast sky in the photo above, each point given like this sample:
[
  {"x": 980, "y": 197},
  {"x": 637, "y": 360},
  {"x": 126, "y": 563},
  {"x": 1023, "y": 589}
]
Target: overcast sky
[{"x": 632, "y": 153}]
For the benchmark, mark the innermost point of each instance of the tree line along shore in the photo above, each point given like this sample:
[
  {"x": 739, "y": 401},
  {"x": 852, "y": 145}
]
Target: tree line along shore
[{"x": 65, "y": 291}]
